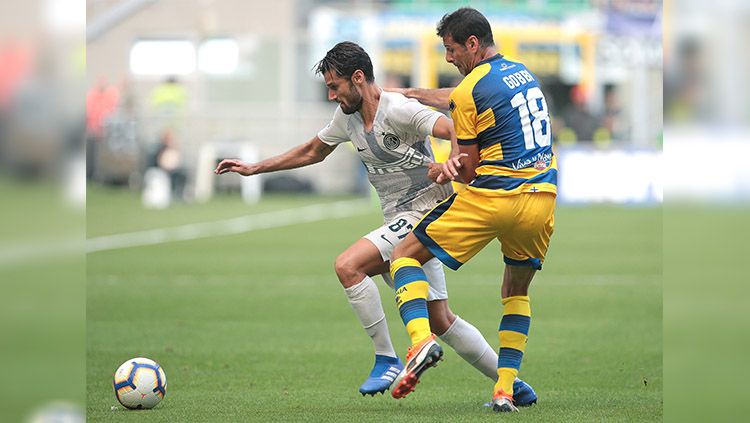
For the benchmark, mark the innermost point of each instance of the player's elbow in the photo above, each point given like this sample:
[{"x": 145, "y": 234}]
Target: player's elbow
[
  {"x": 467, "y": 172},
  {"x": 466, "y": 176},
  {"x": 313, "y": 156}
]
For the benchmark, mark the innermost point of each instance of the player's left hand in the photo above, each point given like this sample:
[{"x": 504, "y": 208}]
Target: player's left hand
[{"x": 234, "y": 165}]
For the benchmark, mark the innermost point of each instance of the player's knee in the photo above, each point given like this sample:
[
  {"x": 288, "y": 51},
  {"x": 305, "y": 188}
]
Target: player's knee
[
  {"x": 439, "y": 324},
  {"x": 340, "y": 266},
  {"x": 413, "y": 248},
  {"x": 441, "y": 318},
  {"x": 397, "y": 252},
  {"x": 345, "y": 270}
]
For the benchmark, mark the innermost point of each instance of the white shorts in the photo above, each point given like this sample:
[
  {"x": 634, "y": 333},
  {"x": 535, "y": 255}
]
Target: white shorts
[{"x": 391, "y": 234}]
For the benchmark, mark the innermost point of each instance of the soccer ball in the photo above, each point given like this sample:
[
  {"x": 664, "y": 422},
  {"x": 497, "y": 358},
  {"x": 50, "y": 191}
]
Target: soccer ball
[{"x": 140, "y": 383}]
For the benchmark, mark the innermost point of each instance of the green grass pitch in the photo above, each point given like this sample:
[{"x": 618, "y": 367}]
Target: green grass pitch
[{"x": 255, "y": 326}]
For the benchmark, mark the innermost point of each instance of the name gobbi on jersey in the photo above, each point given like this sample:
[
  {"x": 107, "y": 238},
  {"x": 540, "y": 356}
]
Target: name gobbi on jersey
[{"x": 500, "y": 107}]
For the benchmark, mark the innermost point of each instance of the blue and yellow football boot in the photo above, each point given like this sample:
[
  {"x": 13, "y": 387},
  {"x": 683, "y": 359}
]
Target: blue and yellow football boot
[{"x": 523, "y": 394}]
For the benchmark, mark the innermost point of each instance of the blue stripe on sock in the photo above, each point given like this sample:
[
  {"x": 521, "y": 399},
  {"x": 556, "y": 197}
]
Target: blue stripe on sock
[
  {"x": 516, "y": 322},
  {"x": 408, "y": 274},
  {"x": 413, "y": 309},
  {"x": 509, "y": 358}
]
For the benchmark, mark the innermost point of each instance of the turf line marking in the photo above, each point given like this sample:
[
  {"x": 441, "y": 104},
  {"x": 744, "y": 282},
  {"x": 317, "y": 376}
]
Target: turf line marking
[
  {"x": 234, "y": 226},
  {"x": 18, "y": 253}
]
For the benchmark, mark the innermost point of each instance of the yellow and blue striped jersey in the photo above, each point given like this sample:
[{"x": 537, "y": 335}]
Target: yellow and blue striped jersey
[{"x": 500, "y": 107}]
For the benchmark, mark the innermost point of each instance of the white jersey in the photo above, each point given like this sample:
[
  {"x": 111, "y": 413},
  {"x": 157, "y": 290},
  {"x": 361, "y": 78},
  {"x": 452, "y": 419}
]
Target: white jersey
[{"x": 395, "y": 153}]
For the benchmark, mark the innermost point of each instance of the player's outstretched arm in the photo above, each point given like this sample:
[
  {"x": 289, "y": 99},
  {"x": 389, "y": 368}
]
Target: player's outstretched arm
[
  {"x": 313, "y": 151},
  {"x": 434, "y": 97}
]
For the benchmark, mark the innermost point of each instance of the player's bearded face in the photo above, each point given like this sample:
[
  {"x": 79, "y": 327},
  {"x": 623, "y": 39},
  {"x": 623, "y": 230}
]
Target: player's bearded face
[
  {"x": 350, "y": 100},
  {"x": 343, "y": 91}
]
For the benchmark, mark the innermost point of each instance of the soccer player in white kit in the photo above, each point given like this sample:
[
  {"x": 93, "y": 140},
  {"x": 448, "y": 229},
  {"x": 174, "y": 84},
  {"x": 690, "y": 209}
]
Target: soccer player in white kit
[{"x": 390, "y": 133}]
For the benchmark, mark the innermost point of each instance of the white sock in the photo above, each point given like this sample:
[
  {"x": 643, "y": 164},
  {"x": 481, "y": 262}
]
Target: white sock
[
  {"x": 472, "y": 347},
  {"x": 365, "y": 300}
]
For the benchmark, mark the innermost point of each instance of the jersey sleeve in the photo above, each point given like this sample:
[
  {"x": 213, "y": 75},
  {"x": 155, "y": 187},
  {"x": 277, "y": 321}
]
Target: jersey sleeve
[
  {"x": 464, "y": 115},
  {"x": 335, "y": 132},
  {"x": 414, "y": 117}
]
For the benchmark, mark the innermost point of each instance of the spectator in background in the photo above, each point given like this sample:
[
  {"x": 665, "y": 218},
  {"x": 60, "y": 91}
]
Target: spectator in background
[
  {"x": 121, "y": 125},
  {"x": 613, "y": 120},
  {"x": 34, "y": 130},
  {"x": 118, "y": 152},
  {"x": 168, "y": 102},
  {"x": 127, "y": 97},
  {"x": 16, "y": 61},
  {"x": 101, "y": 103},
  {"x": 167, "y": 157},
  {"x": 169, "y": 97},
  {"x": 577, "y": 116},
  {"x": 685, "y": 93}
]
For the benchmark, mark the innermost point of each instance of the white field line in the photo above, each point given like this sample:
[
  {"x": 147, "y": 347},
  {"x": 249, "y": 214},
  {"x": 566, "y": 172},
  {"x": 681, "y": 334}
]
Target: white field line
[
  {"x": 274, "y": 219},
  {"x": 19, "y": 253}
]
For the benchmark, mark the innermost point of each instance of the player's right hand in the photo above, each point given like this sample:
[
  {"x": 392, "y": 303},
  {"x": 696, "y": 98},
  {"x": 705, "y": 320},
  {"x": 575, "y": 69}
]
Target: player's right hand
[
  {"x": 446, "y": 171},
  {"x": 451, "y": 166},
  {"x": 233, "y": 165}
]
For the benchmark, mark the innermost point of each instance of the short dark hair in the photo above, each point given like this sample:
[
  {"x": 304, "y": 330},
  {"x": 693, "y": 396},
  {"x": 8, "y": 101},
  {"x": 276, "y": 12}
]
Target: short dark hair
[
  {"x": 344, "y": 59},
  {"x": 463, "y": 23}
]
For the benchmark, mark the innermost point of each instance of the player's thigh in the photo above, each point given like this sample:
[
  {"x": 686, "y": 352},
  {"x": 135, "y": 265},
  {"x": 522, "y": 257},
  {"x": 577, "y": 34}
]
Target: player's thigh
[
  {"x": 458, "y": 228},
  {"x": 386, "y": 237},
  {"x": 527, "y": 232},
  {"x": 393, "y": 234},
  {"x": 364, "y": 256}
]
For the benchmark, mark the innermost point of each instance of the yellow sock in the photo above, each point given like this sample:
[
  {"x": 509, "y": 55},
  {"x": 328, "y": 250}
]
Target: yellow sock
[
  {"x": 513, "y": 334},
  {"x": 411, "y": 297}
]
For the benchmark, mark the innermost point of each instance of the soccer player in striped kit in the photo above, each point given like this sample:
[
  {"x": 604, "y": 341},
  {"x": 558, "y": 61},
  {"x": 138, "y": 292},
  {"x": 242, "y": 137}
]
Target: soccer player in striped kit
[
  {"x": 390, "y": 133},
  {"x": 505, "y": 145}
]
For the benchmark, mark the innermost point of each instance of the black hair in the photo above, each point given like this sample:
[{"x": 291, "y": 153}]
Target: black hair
[
  {"x": 463, "y": 23},
  {"x": 344, "y": 59}
]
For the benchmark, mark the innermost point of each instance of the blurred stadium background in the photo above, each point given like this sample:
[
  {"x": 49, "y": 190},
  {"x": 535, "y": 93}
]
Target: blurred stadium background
[
  {"x": 174, "y": 88},
  {"x": 157, "y": 90}
]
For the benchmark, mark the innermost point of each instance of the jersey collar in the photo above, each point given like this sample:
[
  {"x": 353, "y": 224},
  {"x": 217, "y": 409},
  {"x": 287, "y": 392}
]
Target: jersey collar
[{"x": 498, "y": 56}]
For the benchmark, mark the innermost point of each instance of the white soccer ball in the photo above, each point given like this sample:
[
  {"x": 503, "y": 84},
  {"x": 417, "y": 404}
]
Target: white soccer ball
[{"x": 140, "y": 383}]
